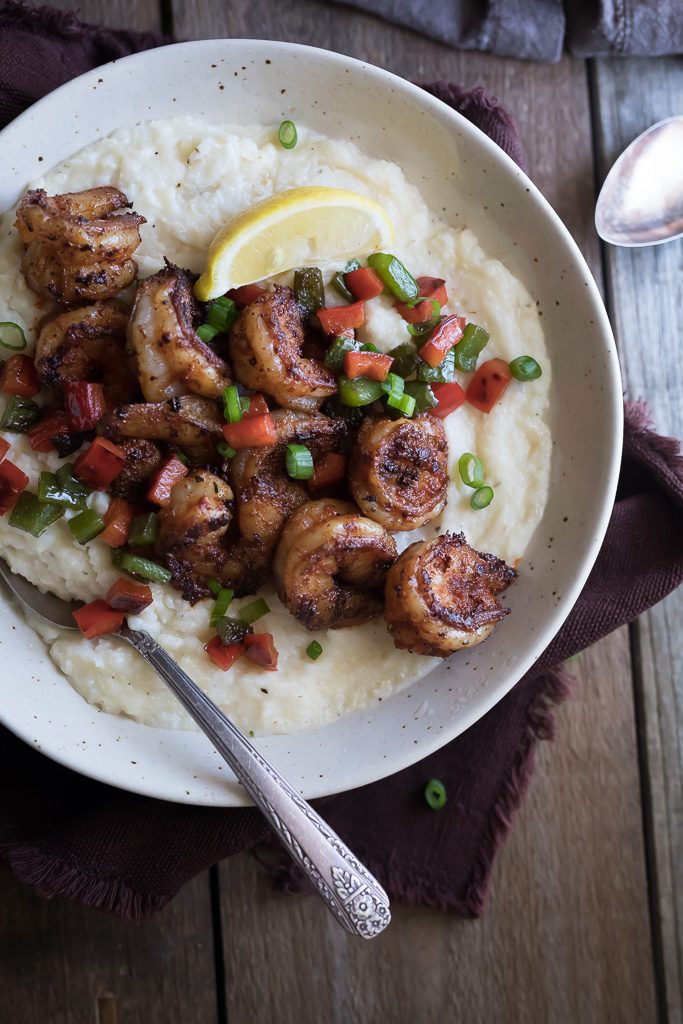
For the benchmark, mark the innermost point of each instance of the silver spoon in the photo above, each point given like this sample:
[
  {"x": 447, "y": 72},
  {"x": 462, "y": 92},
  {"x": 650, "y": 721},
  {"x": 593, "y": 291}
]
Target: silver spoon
[
  {"x": 641, "y": 200},
  {"x": 356, "y": 899}
]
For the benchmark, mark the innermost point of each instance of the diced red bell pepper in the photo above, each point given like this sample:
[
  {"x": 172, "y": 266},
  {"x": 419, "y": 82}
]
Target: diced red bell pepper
[
  {"x": 329, "y": 469},
  {"x": 98, "y": 619},
  {"x": 251, "y": 433},
  {"x": 19, "y": 377},
  {"x": 260, "y": 648},
  {"x": 374, "y": 365},
  {"x": 441, "y": 340},
  {"x": 245, "y": 295},
  {"x": 337, "y": 319},
  {"x": 163, "y": 481},
  {"x": 430, "y": 288},
  {"x": 12, "y": 482},
  {"x": 449, "y": 397},
  {"x": 128, "y": 596},
  {"x": 52, "y": 424},
  {"x": 257, "y": 407},
  {"x": 100, "y": 464},
  {"x": 85, "y": 404},
  {"x": 488, "y": 384},
  {"x": 222, "y": 655},
  {"x": 364, "y": 283},
  {"x": 433, "y": 288},
  {"x": 118, "y": 518},
  {"x": 4, "y": 448}
]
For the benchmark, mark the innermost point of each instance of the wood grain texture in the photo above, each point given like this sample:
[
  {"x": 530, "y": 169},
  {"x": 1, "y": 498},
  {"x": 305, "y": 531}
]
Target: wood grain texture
[
  {"x": 645, "y": 298},
  {"x": 143, "y": 15},
  {"x": 63, "y": 964},
  {"x": 566, "y": 934}
]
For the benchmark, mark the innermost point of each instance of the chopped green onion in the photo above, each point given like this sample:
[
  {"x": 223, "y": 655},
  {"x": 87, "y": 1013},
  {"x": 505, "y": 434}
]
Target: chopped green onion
[
  {"x": 299, "y": 462},
  {"x": 144, "y": 568},
  {"x": 34, "y": 516},
  {"x": 404, "y": 403},
  {"x": 144, "y": 530},
  {"x": 287, "y": 135},
  {"x": 425, "y": 326},
  {"x": 251, "y": 612},
  {"x": 435, "y": 794},
  {"x": 86, "y": 525},
  {"x": 207, "y": 332},
  {"x": 359, "y": 391},
  {"x": 444, "y": 373},
  {"x": 224, "y": 449},
  {"x": 471, "y": 470},
  {"x": 314, "y": 650},
  {"x": 393, "y": 385},
  {"x": 525, "y": 368},
  {"x": 309, "y": 288},
  {"x": 182, "y": 457},
  {"x": 233, "y": 405},
  {"x": 117, "y": 557},
  {"x": 51, "y": 491},
  {"x": 422, "y": 393},
  {"x": 405, "y": 358},
  {"x": 334, "y": 357},
  {"x": 12, "y": 336},
  {"x": 221, "y": 314},
  {"x": 369, "y": 347},
  {"x": 221, "y": 605},
  {"x": 468, "y": 349},
  {"x": 214, "y": 586},
  {"x": 232, "y": 631},
  {"x": 482, "y": 498},
  {"x": 19, "y": 415},
  {"x": 398, "y": 280}
]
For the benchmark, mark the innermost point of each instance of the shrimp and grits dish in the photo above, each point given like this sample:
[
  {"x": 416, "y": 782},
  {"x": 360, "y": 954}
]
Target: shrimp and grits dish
[{"x": 260, "y": 401}]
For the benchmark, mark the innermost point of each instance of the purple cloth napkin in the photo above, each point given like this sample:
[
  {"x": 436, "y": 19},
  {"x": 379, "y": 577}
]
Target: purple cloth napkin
[{"x": 67, "y": 835}]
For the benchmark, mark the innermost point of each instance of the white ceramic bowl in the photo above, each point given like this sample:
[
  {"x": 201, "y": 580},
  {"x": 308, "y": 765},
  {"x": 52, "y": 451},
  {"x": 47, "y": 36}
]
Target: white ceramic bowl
[{"x": 457, "y": 168}]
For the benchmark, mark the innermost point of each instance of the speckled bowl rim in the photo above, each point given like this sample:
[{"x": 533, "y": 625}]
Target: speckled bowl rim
[{"x": 202, "y": 785}]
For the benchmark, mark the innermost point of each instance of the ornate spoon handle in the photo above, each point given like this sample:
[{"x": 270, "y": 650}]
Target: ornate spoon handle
[{"x": 356, "y": 899}]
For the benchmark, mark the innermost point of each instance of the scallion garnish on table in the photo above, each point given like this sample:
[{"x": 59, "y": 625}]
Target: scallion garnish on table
[{"x": 435, "y": 794}]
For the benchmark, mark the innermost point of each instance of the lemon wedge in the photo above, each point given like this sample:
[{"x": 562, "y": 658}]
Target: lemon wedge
[{"x": 297, "y": 228}]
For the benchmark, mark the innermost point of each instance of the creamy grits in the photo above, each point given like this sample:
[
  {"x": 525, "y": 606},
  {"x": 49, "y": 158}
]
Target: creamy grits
[{"x": 188, "y": 178}]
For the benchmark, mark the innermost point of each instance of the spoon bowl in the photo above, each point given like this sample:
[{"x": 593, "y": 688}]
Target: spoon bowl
[{"x": 641, "y": 200}]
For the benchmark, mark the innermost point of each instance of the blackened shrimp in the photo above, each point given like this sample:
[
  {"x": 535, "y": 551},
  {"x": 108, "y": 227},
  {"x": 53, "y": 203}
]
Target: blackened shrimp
[
  {"x": 191, "y": 423},
  {"x": 332, "y": 564},
  {"x": 441, "y": 596},
  {"x": 266, "y": 349},
  {"x": 170, "y": 356},
  {"x": 80, "y": 248},
  {"x": 87, "y": 344},
  {"x": 142, "y": 459},
  {"x": 191, "y": 531},
  {"x": 266, "y": 496},
  {"x": 398, "y": 471}
]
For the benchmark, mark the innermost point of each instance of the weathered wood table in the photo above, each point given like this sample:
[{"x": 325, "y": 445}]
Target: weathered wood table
[{"x": 585, "y": 918}]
